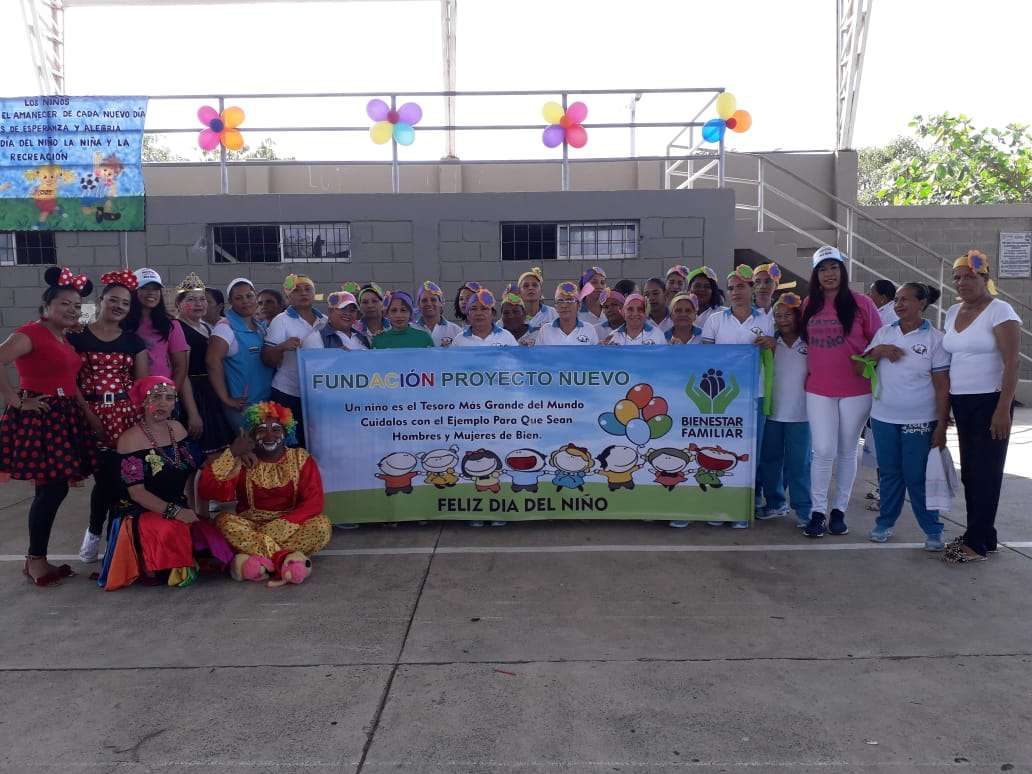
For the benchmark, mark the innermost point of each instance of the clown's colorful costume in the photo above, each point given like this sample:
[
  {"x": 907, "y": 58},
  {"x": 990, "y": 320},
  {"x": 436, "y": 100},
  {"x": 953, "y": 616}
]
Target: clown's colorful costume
[{"x": 279, "y": 504}]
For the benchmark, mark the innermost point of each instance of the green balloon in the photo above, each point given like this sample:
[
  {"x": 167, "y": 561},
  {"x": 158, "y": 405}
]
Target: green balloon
[{"x": 660, "y": 426}]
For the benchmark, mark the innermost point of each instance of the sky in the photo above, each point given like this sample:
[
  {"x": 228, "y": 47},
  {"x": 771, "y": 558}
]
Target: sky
[{"x": 777, "y": 58}]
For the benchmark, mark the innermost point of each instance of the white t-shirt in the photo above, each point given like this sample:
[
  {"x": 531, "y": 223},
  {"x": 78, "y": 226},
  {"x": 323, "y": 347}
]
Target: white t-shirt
[
  {"x": 789, "y": 378},
  {"x": 498, "y": 337},
  {"x": 724, "y": 328},
  {"x": 695, "y": 339},
  {"x": 700, "y": 320},
  {"x": 664, "y": 325},
  {"x": 650, "y": 334},
  {"x": 590, "y": 318},
  {"x": 314, "y": 341},
  {"x": 544, "y": 316},
  {"x": 582, "y": 335},
  {"x": 976, "y": 366},
  {"x": 443, "y": 334},
  {"x": 887, "y": 313},
  {"x": 905, "y": 392},
  {"x": 603, "y": 329},
  {"x": 224, "y": 332},
  {"x": 284, "y": 326}
]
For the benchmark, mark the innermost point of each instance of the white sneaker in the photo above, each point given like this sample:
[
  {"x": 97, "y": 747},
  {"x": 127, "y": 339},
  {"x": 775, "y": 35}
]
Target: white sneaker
[
  {"x": 740, "y": 524},
  {"x": 89, "y": 550},
  {"x": 772, "y": 514},
  {"x": 716, "y": 523}
]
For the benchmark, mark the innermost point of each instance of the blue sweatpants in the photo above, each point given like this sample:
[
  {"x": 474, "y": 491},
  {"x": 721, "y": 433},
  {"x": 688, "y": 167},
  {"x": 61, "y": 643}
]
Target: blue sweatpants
[
  {"x": 902, "y": 461},
  {"x": 785, "y": 459}
]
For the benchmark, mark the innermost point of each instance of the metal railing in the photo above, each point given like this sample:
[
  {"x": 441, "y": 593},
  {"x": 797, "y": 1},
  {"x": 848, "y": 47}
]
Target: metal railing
[
  {"x": 563, "y": 96},
  {"x": 848, "y": 234}
]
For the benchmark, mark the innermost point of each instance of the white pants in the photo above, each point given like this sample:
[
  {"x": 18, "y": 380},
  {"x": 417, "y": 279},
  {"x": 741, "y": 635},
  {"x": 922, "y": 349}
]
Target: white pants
[{"x": 835, "y": 426}]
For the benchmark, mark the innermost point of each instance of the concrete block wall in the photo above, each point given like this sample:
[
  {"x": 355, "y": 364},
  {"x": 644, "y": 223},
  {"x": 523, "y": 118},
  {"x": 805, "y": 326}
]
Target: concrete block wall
[{"x": 397, "y": 240}]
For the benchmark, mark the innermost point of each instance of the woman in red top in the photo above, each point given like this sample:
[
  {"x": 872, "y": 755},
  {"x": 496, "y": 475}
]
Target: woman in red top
[{"x": 44, "y": 436}]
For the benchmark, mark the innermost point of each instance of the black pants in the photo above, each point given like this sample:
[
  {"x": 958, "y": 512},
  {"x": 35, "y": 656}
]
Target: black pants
[
  {"x": 107, "y": 486},
  {"x": 41, "y": 515},
  {"x": 294, "y": 404},
  {"x": 981, "y": 466}
]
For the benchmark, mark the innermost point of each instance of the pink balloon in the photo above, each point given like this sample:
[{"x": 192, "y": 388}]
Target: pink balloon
[
  {"x": 206, "y": 114},
  {"x": 208, "y": 140},
  {"x": 640, "y": 395},
  {"x": 656, "y": 407},
  {"x": 577, "y": 112},
  {"x": 577, "y": 136},
  {"x": 377, "y": 109},
  {"x": 410, "y": 113},
  {"x": 553, "y": 136}
]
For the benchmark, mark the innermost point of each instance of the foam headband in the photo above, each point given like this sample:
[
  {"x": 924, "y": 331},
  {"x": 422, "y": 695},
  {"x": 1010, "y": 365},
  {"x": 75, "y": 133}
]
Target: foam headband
[
  {"x": 567, "y": 291},
  {"x": 978, "y": 262},
  {"x": 608, "y": 294},
  {"x": 142, "y": 388},
  {"x": 690, "y": 297},
  {"x": 634, "y": 297},
  {"x": 233, "y": 283},
  {"x": 429, "y": 288},
  {"x": 398, "y": 295},
  {"x": 484, "y": 296},
  {"x": 536, "y": 273},
  {"x": 291, "y": 281}
]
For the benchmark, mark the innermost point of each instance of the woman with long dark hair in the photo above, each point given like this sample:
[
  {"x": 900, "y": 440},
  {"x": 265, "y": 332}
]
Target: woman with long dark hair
[
  {"x": 703, "y": 283},
  {"x": 44, "y": 437},
  {"x": 837, "y": 325}
]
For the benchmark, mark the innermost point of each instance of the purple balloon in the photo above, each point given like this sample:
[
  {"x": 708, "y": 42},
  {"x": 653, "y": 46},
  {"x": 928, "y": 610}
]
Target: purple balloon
[
  {"x": 553, "y": 136},
  {"x": 377, "y": 109},
  {"x": 410, "y": 113}
]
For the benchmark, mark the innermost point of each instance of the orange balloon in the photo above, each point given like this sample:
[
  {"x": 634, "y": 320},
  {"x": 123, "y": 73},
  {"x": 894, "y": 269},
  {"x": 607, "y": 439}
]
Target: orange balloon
[
  {"x": 742, "y": 121},
  {"x": 232, "y": 117},
  {"x": 232, "y": 139}
]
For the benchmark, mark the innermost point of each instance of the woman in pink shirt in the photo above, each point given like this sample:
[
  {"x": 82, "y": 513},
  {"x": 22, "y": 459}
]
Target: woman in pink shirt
[{"x": 837, "y": 324}]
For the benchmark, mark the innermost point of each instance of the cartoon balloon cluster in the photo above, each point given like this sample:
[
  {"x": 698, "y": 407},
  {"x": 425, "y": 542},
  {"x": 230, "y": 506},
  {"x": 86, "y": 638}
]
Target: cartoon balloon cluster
[
  {"x": 641, "y": 416},
  {"x": 730, "y": 118}
]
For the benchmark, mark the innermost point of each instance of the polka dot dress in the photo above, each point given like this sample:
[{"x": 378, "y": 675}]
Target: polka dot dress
[
  {"x": 46, "y": 446},
  {"x": 109, "y": 372}
]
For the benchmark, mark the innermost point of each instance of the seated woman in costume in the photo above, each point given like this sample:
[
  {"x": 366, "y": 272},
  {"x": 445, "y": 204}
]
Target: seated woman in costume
[
  {"x": 151, "y": 533},
  {"x": 278, "y": 490}
]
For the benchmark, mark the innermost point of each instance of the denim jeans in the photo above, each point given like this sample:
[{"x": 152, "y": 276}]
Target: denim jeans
[
  {"x": 785, "y": 460},
  {"x": 902, "y": 461}
]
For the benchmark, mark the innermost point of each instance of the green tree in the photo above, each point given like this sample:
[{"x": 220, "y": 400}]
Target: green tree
[
  {"x": 155, "y": 151},
  {"x": 874, "y": 167},
  {"x": 961, "y": 164},
  {"x": 266, "y": 151}
]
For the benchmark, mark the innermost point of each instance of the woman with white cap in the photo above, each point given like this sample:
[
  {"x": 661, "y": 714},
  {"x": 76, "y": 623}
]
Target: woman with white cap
[
  {"x": 234, "y": 359},
  {"x": 569, "y": 328},
  {"x": 837, "y": 325},
  {"x": 167, "y": 348}
]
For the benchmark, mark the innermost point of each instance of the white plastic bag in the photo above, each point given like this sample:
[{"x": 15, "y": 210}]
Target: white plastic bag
[{"x": 941, "y": 483}]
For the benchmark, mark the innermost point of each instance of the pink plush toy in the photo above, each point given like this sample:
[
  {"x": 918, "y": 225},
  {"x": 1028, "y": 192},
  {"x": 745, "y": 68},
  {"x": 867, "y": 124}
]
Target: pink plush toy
[
  {"x": 246, "y": 567},
  {"x": 291, "y": 567}
]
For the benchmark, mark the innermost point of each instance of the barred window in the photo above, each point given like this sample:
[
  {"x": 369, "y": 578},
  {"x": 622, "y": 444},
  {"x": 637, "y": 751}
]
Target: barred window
[
  {"x": 599, "y": 239},
  {"x": 27, "y": 248},
  {"x": 280, "y": 242}
]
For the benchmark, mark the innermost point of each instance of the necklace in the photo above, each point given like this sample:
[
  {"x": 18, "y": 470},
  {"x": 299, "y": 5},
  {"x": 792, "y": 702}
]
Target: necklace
[{"x": 155, "y": 457}]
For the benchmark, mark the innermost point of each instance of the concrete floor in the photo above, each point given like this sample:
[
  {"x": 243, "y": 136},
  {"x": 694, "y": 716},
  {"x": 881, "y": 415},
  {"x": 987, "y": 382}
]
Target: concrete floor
[{"x": 581, "y": 647}]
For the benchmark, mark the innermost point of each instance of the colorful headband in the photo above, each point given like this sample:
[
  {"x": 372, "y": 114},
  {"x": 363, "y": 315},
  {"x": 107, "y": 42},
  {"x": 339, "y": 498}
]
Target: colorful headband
[
  {"x": 398, "y": 295},
  {"x": 535, "y": 272},
  {"x": 150, "y": 385},
  {"x": 775, "y": 274},
  {"x": 508, "y": 297},
  {"x": 68, "y": 280},
  {"x": 681, "y": 269},
  {"x": 743, "y": 272},
  {"x": 471, "y": 286},
  {"x": 266, "y": 411},
  {"x": 351, "y": 287},
  {"x": 791, "y": 300},
  {"x": 704, "y": 271},
  {"x": 125, "y": 278},
  {"x": 607, "y": 294},
  {"x": 483, "y": 296},
  {"x": 372, "y": 286},
  {"x": 634, "y": 297},
  {"x": 978, "y": 262},
  {"x": 190, "y": 282},
  {"x": 341, "y": 299},
  {"x": 689, "y": 297},
  {"x": 430, "y": 288},
  {"x": 291, "y": 281},
  {"x": 567, "y": 291},
  {"x": 590, "y": 272}
]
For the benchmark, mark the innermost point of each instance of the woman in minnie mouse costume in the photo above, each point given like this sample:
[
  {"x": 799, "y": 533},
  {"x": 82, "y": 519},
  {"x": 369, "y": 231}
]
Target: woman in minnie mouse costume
[{"x": 44, "y": 437}]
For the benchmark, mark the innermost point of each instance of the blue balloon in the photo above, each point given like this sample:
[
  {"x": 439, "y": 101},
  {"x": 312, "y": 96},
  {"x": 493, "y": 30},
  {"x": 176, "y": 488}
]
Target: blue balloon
[
  {"x": 404, "y": 134},
  {"x": 713, "y": 130},
  {"x": 610, "y": 423},
  {"x": 638, "y": 432}
]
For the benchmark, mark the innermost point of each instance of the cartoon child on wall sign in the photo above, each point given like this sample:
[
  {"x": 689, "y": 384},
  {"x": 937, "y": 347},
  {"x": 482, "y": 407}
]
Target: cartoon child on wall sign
[
  {"x": 98, "y": 188},
  {"x": 525, "y": 467},
  {"x": 618, "y": 464},
  {"x": 484, "y": 468},
  {"x": 48, "y": 179},
  {"x": 439, "y": 466},
  {"x": 669, "y": 465},
  {"x": 714, "y": 463},
  {"x": 572, "y": 464},
  {"x": 397, "y": 471}
]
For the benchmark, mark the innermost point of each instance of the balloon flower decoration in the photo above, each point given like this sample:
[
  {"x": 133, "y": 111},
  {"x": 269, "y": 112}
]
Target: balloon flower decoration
[
  {"x": 222, "y": 128},
  {"x": 565, "y": 125},
  {"x": 393, "y": 124},
  {"x": 641, "y": 416},
  {"x": 730, "y": 118}
]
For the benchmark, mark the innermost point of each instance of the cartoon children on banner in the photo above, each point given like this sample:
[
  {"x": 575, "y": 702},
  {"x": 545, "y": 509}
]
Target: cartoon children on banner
[
  {"x": 714, "y": 463},
  {"x": 618, "y": 464},
  {"x": 397, "y": 471},
  {"x": 48, "y": 179},
  {"x": 98, "y": 188},
  {"x": 525, "y": 467},
  {"x": 439, "y": 466},
  {"x": 484, "y": 468},
  {"x": 669, "y": 465},
  {"x": 572, "y": 464}
]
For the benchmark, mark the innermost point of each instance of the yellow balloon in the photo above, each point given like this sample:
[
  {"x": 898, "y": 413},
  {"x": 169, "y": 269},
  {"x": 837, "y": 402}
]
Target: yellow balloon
[
  {"x": 381, "y": 132},
  {"x": 553, "y": 112},
  {"x": 726, "y": 105},
  {"x": 626, "y": 411},
  {"x": 232, "y": 139},
  {"x": 233, "y": 117}
]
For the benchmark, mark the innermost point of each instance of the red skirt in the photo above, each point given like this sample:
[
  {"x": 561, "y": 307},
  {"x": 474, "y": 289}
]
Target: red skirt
[{"x": 47, "y": 446}]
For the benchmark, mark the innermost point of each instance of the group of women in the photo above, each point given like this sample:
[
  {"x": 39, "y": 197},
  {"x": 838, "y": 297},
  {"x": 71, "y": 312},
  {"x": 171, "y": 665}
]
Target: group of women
[{"x": 76, "y": 414}]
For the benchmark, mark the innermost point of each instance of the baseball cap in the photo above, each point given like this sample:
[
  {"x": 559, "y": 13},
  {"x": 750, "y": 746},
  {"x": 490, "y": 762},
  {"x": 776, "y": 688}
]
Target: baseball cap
[
  {"x": 147, "y": 277},
  {"x": 827, "y": 253}
]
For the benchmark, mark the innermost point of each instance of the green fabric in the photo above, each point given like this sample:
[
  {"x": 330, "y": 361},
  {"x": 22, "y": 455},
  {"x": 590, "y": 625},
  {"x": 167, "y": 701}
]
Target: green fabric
[
  {"x": 870, "y": 371},
  {"x": 767, "y": 370},
  {"x": 409, "y": 338}
]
